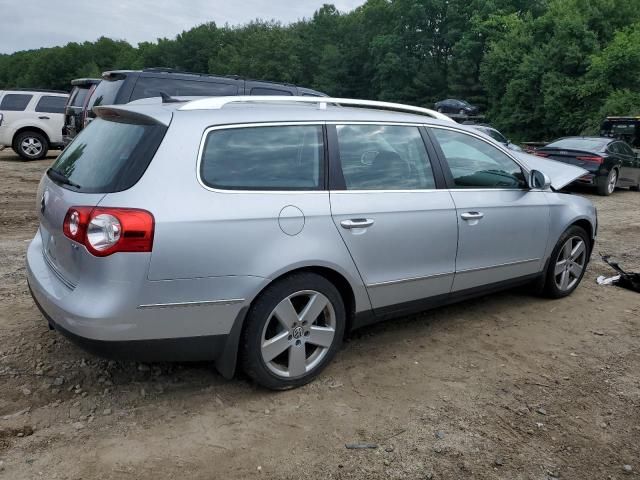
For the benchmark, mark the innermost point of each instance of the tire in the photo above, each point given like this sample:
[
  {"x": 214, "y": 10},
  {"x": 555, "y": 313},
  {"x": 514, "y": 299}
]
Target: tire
[
  {"x": 605, "y": 187},
  {"x": 31, "y": 145},
  {"x": 279, "y": 357},
  {"x": 561, "y": 279}
]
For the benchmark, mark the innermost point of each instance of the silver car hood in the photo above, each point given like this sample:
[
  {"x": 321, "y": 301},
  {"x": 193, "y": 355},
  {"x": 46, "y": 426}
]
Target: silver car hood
[{"x": 561, "y": 174}]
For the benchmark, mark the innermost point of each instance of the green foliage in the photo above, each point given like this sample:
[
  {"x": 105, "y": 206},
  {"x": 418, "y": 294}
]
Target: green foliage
[{"x": 540, "y": 68}]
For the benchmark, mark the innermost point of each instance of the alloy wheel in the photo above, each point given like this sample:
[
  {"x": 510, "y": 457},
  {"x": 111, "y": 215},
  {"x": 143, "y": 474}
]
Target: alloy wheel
[
  {"x": 31, "y": 146},
  {"x": 570, "y": 263},
  {"x": 298, "y": 334},
  {"x": 613, "y": 179}
]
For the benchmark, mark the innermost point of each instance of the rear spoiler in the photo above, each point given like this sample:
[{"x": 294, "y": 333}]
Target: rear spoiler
[{"x": 155, "y": 116}]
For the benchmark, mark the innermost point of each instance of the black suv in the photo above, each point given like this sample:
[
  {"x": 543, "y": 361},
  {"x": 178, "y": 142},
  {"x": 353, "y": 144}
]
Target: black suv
[
  {"x": 622, "y": 128},
  {"x": 124, "y": 86},
  {"x": 74, "y": 109}
]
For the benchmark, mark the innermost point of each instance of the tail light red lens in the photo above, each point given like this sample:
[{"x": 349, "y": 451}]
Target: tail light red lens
[
  {"x": 104, "y": 231},
  {"x": 540, "y": 154},
  {"x": 594, "y": 159}
]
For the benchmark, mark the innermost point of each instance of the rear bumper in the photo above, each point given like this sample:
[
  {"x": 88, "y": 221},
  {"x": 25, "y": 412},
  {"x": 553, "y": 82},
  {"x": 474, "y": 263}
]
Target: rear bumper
[
  {"x": 206, "y": 347},
  {"x": 134, "y": 318}
]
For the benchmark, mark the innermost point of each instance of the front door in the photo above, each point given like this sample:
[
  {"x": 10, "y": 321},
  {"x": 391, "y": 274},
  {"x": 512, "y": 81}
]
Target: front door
[
  {"x": 400, "y": 230},
  {"x": 503, "y": 225}
]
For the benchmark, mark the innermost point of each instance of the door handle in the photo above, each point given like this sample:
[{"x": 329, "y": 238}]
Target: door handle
[
  {"x": 43, "y": 118},
  {"x": 472, "y": 215},
  {"x": 357, "y": 223}
]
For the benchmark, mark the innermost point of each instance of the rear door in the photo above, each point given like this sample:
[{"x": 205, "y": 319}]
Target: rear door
[
  {"x": 399, "y": 228},
  {"x": 503, "y": 226},
  {"x": 630, "y": 165},
  {"x": 50, "y": 113}
]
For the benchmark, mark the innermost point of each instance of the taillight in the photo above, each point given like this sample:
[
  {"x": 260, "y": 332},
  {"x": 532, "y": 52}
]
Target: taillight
[
  {"x": 104, "y": 230},
  {"x": 540, "y": 154},
  {"x": 594, "y": 159}
]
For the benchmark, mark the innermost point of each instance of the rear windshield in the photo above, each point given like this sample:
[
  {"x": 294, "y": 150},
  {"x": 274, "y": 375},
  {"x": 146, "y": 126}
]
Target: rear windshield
[
  {"x": 587, "y": 144},
  {"x": 104, "y": 94},
  {"x": 109, "y": 156},
  {"x": 78, "y": 96}
]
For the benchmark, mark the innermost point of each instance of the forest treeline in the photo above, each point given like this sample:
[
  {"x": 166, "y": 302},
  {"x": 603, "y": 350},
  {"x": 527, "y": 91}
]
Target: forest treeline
[{"x": 538, "y": 68}]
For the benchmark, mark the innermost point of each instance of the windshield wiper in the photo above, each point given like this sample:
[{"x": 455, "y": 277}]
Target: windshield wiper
[{"x": 61, "y": 178}]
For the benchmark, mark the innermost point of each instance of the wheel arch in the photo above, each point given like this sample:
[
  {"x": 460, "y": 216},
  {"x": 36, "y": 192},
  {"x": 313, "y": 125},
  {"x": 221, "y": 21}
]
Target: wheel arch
[
  {"x": 30, "y": 128},
  {"x": 228, "y": 360}
]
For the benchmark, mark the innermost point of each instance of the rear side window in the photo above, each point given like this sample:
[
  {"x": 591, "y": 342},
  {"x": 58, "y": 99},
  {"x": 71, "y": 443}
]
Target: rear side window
[
  {"x": 384, "y": 157},
  {"x": 264, "y": 158},
  {"x": 15, "y": 102},
  {"x": 51, "y": 104},
  {"x": 269, "y": 91},
  {"x": 152, "y": 86},
  {"x": 475, "y": 163},
  {"x": 109, "y": 156}
]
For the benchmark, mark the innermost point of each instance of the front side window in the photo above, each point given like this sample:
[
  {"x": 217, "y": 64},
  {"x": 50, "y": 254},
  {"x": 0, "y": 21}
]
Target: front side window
[
  {"x": 51, "y": 104},
  {"x": 287, "y": 157},
  {"x": 384, "y": 157},
  {"x": 15, "y": 102},
  {"x": 475, "y": 163}
]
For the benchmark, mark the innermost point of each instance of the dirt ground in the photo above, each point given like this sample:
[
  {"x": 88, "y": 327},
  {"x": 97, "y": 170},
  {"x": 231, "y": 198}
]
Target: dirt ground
[{"x": 509, "y": 386}]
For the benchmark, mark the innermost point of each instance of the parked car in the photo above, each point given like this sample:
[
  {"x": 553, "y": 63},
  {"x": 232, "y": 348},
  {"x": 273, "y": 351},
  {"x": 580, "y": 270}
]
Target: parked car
[
  {"x": 497, "y": 136},
  {"x": 31, "y": 121},
  {"x": 626, "y": 129},
  {"x": 124, "y": 86},
  {"x": 611, "y": 163},
  {"x": 73, "y": 110},
  {"x": 205, "y": 229},
  {"x": 451, "y": 105}
]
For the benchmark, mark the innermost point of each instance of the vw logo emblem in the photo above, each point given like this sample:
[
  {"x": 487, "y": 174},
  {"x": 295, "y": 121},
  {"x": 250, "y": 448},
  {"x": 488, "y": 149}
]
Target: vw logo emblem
[
  {"x": 44, "y": 200},
  {"x": 297, "y": 332}
]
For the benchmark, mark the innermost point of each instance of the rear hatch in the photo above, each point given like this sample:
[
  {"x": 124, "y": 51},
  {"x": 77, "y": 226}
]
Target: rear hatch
[{"x": 110, "y": 155}]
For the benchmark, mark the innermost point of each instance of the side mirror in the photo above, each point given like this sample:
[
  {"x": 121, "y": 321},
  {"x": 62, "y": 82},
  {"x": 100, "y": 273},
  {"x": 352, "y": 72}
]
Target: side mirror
[{"x": 539, "y": 180}]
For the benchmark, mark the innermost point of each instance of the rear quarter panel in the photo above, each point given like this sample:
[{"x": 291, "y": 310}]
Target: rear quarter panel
[{"x": 201, "y": 233}]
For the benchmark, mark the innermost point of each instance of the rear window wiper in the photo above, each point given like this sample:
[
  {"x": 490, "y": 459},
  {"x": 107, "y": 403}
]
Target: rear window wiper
[{"x": 61, "y": 178}]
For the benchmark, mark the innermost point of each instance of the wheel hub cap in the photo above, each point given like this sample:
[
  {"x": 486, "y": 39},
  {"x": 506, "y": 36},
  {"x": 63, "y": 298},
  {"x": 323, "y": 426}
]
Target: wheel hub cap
[
  {"x": 298, "y": 334},
  {"x": 570, "y": 263}
]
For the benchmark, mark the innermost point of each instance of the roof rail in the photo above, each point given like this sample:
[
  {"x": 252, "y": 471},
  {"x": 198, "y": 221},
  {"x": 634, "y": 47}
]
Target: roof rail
[
  {"x": 39, "y": 90},
  {"x": 216, "y": 103}
]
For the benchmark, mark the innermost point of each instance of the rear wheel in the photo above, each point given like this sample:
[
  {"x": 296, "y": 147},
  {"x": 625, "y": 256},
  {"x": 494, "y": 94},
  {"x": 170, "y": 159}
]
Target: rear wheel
[
  {"x": 31, "y": 145},
  {"x": 606, "y": 186},
  {"x": 293, "y": 330},
  {"x": 568, "y": 263}
]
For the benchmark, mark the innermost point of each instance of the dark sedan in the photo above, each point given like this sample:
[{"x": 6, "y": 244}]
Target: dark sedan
[
  {"x": 460, "y": 107},
  {"x": 611, "y": 163}
]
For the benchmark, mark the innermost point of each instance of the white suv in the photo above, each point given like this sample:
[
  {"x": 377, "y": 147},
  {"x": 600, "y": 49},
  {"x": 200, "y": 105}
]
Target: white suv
[{"x": 31, "y": 121}]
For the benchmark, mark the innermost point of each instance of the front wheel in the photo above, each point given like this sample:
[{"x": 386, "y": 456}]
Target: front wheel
[
  {"x": 293, "y": 331},
  {"x": 568, "y": 263}
]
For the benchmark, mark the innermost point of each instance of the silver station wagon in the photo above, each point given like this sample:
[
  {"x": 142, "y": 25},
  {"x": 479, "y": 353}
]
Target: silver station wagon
[{"x": 257, "y": 231}]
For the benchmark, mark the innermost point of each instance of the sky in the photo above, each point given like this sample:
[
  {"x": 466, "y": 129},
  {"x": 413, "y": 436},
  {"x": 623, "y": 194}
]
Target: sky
[{"x": 29, "y": 24}]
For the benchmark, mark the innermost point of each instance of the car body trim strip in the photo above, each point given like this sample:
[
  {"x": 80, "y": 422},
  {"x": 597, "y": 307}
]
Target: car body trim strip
[
  {"x": 404, "y": 280},
  {"x": 230, "y": 301},
  {"x": 507, "y": 264}
]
